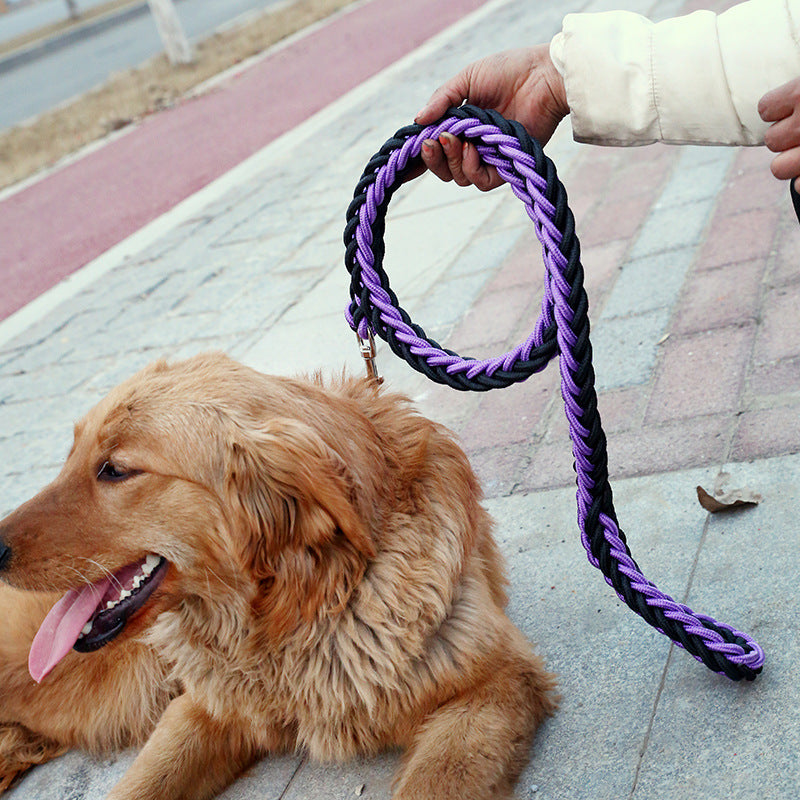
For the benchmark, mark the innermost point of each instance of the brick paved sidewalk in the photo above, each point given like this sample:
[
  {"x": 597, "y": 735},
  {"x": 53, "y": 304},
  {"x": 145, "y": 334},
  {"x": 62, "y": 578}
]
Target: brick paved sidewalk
[
  {"x": 691, "y": 273},
  {"x": 689, "y": 255}
]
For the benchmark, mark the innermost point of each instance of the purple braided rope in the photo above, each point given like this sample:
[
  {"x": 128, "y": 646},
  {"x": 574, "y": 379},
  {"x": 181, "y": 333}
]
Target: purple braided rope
[
  {"x": 398, "y": 160},
  {"x": 518, "y": 169}
]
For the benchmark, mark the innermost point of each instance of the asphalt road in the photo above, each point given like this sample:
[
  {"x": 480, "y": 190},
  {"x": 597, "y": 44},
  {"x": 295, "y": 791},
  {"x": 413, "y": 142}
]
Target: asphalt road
[
  {"x": 58, "y": 75},
  {"x": 27, "y": 18}
]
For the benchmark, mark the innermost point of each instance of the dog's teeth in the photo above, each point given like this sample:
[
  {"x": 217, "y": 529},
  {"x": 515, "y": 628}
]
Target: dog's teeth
[
  {"x": 150, "y": 563},
  {"x": 124, "y": 593},
  {"x": 86, "y": 628},
  {"x": 110, "y": 604},
  {"x": 137, "y": 581}
]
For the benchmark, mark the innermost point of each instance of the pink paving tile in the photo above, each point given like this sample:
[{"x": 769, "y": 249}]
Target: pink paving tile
[
  {"x": 774, "y": 378},
  {"x": 700, "y": 374},
  {"x": 650, "y": 153},
  {"x": 550, "y": 466},
  {"x": 510, "y": 415},
  {"x": 623, "y": 409},
  {"x": 779, "y": 335},
  {"x": 738, "y": 237},
  {"x": 448, "y": 406},
  {"x": 755, "y": 159},
  {"x": 766, "y": 433},
  {"x": 786, "y": 266},
  {"x": 494, "y": 315},
  {"x": 645, "y": 451},
  {"x": 644, "y": 172},
  {"x": 750, "y": 189},
  {"x": 642, "y": 451},
  {"x": 526, "y": 322},
  {"x": 674, "y": 446},
  {"x": 582, "y": 206},
  {"x": 616, "y": 218},
  {"x": 602, "y": 264},
  {"x": 522, "y": 267},
  {"x": 499, "y": 468},
  {"x": 591, "y": 174},
  {"x": 720, "y": 297}
]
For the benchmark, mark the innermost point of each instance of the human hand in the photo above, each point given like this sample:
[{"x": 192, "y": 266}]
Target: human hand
[
  {"x": 521, "y": 84},
  {"x": 781, "y": 107}
]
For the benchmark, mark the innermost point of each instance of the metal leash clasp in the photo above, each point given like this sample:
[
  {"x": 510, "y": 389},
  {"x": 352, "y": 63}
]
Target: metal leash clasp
[{"x": 368, "y": 353}]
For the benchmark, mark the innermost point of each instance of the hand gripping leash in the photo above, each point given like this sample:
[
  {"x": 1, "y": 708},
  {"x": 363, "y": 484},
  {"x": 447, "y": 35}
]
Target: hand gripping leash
[{"x": 562, "y": 329}]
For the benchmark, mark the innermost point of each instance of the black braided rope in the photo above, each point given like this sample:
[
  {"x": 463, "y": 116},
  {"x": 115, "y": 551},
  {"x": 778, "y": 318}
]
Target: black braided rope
[{"x": 562, "y": 329}]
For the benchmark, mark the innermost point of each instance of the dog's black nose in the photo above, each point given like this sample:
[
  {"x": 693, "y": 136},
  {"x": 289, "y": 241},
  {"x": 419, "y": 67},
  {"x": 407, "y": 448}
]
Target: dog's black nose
[{"x": 5, "y": 554}]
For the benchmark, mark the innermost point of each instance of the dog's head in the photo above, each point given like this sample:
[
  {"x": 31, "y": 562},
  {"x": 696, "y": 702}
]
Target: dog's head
[{"x": 200, "y": 480}]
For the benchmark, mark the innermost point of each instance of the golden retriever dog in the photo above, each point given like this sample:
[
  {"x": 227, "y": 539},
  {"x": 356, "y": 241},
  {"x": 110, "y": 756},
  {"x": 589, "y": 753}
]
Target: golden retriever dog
[{"x": 250, "y": 565}]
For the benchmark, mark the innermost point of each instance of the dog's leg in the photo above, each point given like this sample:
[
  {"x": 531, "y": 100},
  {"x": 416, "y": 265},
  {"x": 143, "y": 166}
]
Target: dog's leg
[
  {"x": 476, "y": 745},
  {"x": 20, "y": 749},
  {"x": 189, "y": 756}
]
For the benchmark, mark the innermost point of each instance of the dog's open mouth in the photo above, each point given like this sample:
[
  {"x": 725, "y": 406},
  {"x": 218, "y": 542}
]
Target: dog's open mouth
[{"x": 88, "y": 618}]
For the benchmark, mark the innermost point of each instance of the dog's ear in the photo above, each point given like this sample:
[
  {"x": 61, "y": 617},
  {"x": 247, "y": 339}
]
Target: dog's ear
[{"x": 306, "y": 541}]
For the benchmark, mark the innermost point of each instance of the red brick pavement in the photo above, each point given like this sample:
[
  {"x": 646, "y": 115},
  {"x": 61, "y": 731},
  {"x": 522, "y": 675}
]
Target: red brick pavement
[{"x": 726, "y": 383}]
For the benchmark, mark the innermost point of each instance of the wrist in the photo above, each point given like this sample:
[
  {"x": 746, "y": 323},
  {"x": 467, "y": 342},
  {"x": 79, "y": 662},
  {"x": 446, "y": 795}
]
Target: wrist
[{"x": 555, "y": 76}]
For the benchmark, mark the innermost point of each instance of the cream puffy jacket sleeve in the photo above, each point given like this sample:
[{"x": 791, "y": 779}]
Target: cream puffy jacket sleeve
[{"x": 692, "y": 79}]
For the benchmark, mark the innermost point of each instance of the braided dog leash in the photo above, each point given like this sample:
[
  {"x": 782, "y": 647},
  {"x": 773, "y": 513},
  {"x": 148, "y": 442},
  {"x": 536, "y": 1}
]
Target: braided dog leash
[
  {"x": 795, "y": 198},
  {"x": 561, "y": 329}
]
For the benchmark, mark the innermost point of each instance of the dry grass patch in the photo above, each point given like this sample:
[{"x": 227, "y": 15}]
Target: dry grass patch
[{"x": 128, "y": 96}]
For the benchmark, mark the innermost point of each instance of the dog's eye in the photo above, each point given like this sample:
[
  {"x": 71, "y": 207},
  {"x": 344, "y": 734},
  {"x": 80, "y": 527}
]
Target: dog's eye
[{"x": 108, "y": 472}]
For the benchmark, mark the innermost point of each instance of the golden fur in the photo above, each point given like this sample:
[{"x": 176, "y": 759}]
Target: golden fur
[{"x": 333, "y": 586}]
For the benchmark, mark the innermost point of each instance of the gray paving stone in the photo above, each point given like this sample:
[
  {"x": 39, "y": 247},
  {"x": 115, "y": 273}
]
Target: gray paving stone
[
  {"x": 743, "y": 737},
  {"x": 699, "y": 175},
  {"x": 672, "y": 228},
  {"x": 609, "y": 662},
  {"x": 625, "y": 349},
  {"x": 295, "y": 347},
  {"x": 448, "y": 300},
  {"x": 55, "y": 380},
  {"x": 17, "y": 487},
  {"x": 325, "y": 291},
  {"x": 266, "y": 780},
  {"x": 170, "y": 240},
  {"x": 74, "y": 775},
  {"x": 485, "y": 252},
  {"x": 212, "y": 293},
  {"x": 42, "y": 414},
  {"x": 648, "y": 283},
  {"x": 365, "y": 778},
  {"x": 105, "y": 374}
]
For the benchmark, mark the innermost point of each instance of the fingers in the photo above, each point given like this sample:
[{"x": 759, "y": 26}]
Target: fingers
[
  {"x": 781, "y": 102},
  {"x": 784, "y": 134},
  {"x": 451, "y": 160},
  {"x": 452, "y": 93},
  {"x": 434, "y": 159},
  {"x": 786, "y": 165},
  {"x": 476, "y": 172},
  {"x": 781, "y": 107}
]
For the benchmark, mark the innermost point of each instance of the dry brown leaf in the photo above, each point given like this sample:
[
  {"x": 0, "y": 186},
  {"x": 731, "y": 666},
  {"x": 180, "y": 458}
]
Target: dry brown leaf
[{"x": 727, "y": 501}]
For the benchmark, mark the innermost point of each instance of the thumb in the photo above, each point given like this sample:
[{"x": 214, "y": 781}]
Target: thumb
[{"x": 452, "y": 93}]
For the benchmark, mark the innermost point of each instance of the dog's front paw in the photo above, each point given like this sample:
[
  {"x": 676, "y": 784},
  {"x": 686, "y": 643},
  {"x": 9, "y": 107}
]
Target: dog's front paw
[{"x": 21, "y": 749}]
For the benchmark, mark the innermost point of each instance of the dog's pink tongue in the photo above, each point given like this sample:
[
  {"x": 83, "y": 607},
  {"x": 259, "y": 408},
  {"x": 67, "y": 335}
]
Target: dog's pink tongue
[{"x": 62, "y": 626}]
